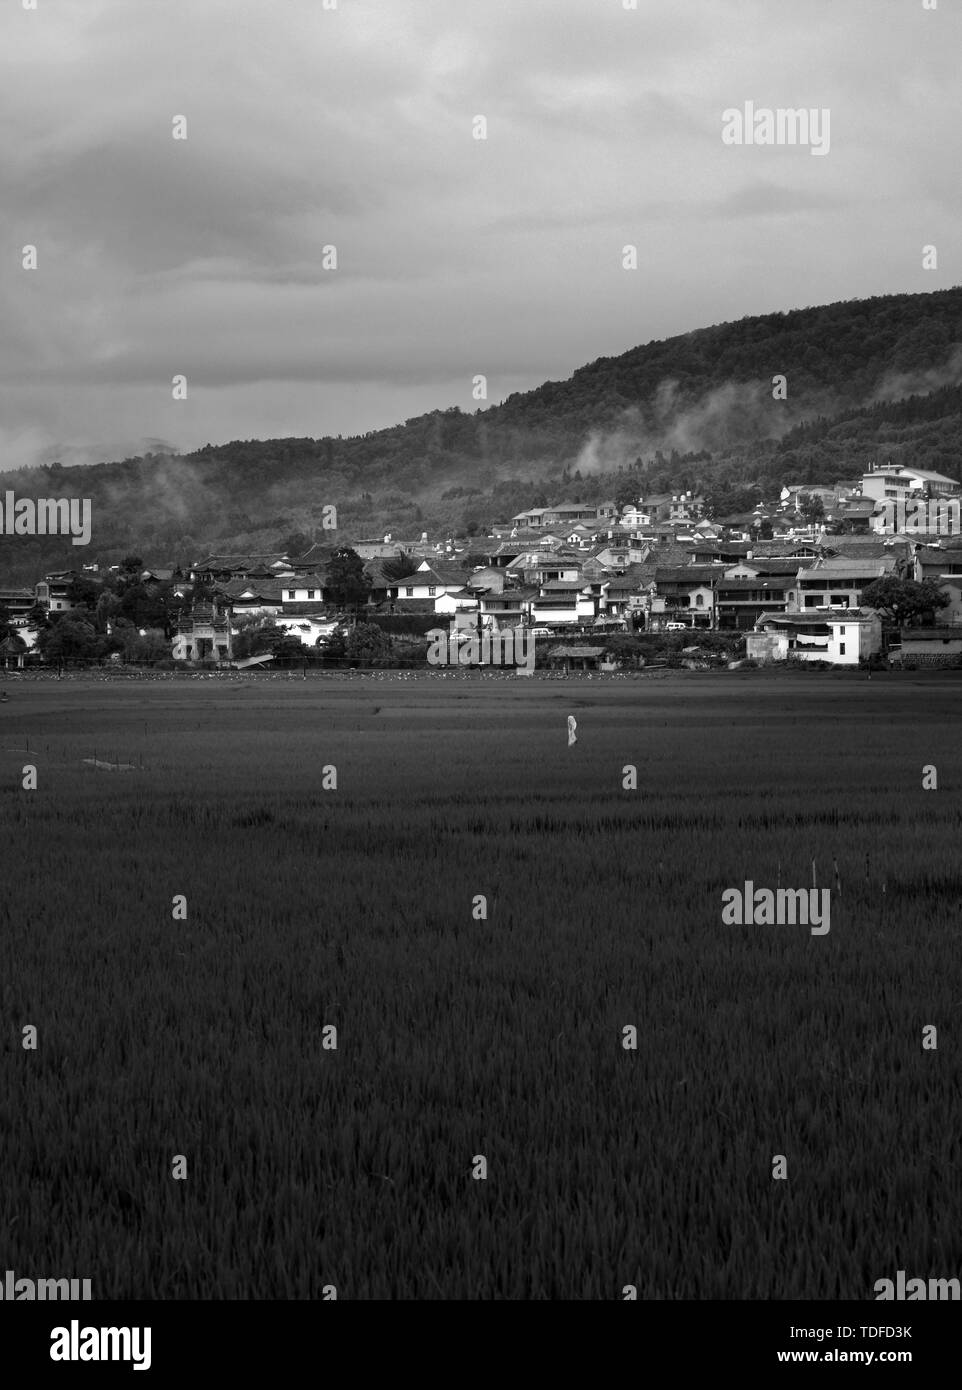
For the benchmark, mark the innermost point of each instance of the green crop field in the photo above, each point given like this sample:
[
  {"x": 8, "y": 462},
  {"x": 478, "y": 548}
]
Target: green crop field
[{"x": 459, "y": 1036}]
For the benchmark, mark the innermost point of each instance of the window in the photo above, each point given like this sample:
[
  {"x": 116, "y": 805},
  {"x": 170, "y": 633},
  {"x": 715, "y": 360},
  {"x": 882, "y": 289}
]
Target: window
[
  {"x": 432, "y": 590},
  {"x": 290, "y": 593},
  {"x": 310, "y": 593},
  {"x": 699, "y": 600},
  {"x": 841, "y": 648},
  {"x": 409, "y": 593}
]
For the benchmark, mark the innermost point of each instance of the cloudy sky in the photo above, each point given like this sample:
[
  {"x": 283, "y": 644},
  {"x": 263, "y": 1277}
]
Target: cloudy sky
[{"x": 353, "y": 127}]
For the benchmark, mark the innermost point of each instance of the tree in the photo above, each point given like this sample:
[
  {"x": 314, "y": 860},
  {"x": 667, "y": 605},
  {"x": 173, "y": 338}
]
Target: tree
[
  {"x": 627, "y": 493},
  {"x": 69, "y": 639},
  {"x": 83, "y": 592},
  {"x": 367, "y": 642},
  {"x": 624, "y": 648},
  {"x": 904, "y": 602},
  {"x": 257, "y": 637},
  {"x": 143, "y": 607},
  {"x": 346, "y": 581},
  {"x": 108, "y": 607},
  {"x": 131, "y": 564},
  {"x": 296, "y": 544},
  {"x": 144, "y": 650},
  {"x": 812, "y": 508},
  {"x": 399, "y": 566}
]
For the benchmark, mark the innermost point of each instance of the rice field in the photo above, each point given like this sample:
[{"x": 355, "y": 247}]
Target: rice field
[{"x": 460, "y": 1036}]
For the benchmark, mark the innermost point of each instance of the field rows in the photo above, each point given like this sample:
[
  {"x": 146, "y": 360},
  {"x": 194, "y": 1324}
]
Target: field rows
[{"x": 458, "y": 1037}]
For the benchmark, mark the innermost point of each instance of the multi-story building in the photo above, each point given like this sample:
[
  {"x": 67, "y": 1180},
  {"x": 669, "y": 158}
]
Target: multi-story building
[
  {"x": 739, "y": 603},
  {"x": 563, "y": 604},
  {"x": 839, "y": 582},
  {"x": 17, "y": 602},
  {"x": 898, "y": 483},
  {"x": 52, "y": 592},
  {"x": 839, "y": 638}
]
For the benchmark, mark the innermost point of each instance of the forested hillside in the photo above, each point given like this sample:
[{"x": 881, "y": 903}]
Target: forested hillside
[{"x": 877, "y": 379}]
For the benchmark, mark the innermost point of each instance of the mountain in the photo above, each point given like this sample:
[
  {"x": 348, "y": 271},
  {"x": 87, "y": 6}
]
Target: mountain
[{"x": 876, "y": 379}]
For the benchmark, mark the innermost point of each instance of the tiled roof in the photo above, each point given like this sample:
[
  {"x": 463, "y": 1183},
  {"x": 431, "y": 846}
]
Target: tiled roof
[
  {"x": 865, "y": 547},
  {"x": 245, "y": 562},
  {"x": 777, "y": 568},
  {"x": 844, "y": 567},
  {"x": 239, "y": 589},
  {"x": 694, "y": 575}
]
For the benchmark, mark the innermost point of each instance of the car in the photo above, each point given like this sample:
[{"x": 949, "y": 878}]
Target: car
[
  {"x": 676, "y": 627},
  {"x": 539, "y": 631}
]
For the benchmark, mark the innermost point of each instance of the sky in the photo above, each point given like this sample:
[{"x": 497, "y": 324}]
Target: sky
[{"x": 354, "y": 127}]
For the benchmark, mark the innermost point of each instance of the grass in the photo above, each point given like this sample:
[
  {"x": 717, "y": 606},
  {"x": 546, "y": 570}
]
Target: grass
[{"x": 456, "y": 1037}]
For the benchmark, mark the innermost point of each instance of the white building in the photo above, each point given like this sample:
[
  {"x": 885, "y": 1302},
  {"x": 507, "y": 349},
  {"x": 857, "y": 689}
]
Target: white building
[
  {"x": 840, "y": 638},
  {"x": 897, "y": 483}
]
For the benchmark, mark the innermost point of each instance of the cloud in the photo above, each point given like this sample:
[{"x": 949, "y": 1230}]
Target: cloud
[{"x": 352, "y": 127}]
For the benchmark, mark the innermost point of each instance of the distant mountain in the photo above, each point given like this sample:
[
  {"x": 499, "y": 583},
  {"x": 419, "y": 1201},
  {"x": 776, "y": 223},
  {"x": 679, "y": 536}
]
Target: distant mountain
[{"x": 877, "y": 379}]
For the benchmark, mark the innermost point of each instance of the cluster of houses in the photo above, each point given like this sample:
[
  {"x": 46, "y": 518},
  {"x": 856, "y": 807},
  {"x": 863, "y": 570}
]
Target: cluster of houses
[{"x": 583, "y": 571}]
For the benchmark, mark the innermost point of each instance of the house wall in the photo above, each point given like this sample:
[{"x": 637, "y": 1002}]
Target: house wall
[
  {"x": 257, "y": 609},
  {"x": 845, "y": 644},
  {"x": 575, "y": 610},
  {"x": 566, "y": 573},
  {"x": 296, "y": 593},
  {"x": 767, "y": 646},
  {"x": 419, "y": 589},
  {"x": 490, "y": 578},
  {"x": 943, "y": 652},
  {"x": 828, "y": 594},
  {"x": 453, "y": 603},
  {"x": 54, "y": 597}
]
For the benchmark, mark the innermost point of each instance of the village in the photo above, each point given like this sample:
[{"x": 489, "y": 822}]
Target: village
[{"x": 787, "y": 580}]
